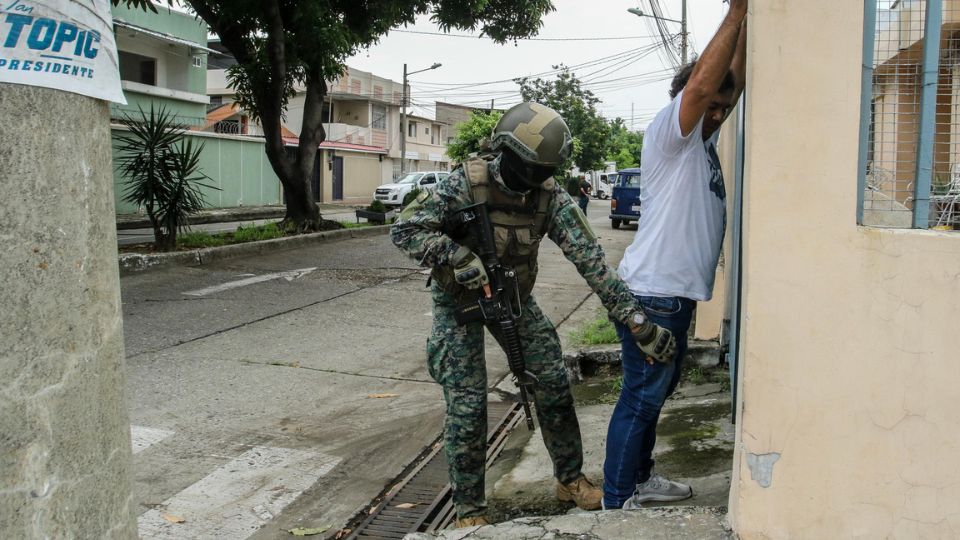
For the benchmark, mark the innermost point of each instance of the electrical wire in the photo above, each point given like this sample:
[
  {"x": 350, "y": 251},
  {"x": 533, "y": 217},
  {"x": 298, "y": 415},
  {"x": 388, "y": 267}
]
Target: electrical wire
[{"x": 475, "y": 36}]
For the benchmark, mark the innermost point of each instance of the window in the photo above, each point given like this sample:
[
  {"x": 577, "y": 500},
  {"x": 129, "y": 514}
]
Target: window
[
  {"x": 428, "y": 179},
  {"x": 411, "y": 129},
  {"x": 137, "y": 68},
  {"x": 379, "y": 117},
  {"x": 910, "y": 119}
]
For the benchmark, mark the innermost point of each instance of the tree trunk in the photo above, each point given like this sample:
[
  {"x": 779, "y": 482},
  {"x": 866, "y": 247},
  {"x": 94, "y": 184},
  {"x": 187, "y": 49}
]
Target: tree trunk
[{"x": 303, "y": 214}]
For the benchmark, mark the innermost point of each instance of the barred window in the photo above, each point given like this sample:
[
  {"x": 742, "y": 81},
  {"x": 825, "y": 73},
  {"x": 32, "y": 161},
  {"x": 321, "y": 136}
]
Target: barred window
[
  {"x": 910, "y": 131},
  {"x": 379, "y": 117}
]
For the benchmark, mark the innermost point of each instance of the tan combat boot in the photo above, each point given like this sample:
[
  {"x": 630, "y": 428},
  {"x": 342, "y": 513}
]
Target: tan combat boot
[
  {"x": 475, "y": 521},
  {"x": 581, "y": 492}
]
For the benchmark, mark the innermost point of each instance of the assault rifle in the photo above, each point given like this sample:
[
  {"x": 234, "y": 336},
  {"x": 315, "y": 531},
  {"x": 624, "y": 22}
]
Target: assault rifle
[{"x": 500, "y": 304}]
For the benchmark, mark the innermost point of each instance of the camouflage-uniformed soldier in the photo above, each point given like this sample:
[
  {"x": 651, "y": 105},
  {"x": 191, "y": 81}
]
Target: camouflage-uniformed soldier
[{"x": 531, "y": 141}]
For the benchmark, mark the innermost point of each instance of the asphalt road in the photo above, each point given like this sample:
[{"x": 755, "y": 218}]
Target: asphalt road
[{"x": 286, "y": 390}]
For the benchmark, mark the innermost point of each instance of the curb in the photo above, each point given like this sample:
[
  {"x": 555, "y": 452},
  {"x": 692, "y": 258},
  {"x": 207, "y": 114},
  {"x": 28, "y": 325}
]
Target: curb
[
  {"x": 132, "y": 263},
  {"x": 216, "y": 216},
  {"x": 587, "y": 360}
]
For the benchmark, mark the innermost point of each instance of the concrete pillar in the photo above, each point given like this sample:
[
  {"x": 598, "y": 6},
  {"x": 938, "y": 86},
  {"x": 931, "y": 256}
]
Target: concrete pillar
[{"x": 65, "y": 462}]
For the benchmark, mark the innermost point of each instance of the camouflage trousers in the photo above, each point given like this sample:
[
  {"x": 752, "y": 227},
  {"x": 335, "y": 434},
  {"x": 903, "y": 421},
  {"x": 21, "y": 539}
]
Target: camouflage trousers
[{"x": 455, "y": 357}]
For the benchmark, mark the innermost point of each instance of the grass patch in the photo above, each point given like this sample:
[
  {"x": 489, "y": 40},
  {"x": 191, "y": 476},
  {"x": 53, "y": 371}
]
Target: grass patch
[
  {"x": 267, "y": 231},
  {"x": 598, "y": 332},
  {"x": 200, "y": 239},
  {"x": 353, "y": 225}
]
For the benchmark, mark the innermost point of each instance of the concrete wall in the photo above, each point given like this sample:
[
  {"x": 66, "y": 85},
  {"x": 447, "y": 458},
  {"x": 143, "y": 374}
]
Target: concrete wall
[
  {"x": 64, "y": 431},
  {"x": 237, "y": 165},
  {"x": 848, "y": 427},
  {"x": 710, "y": 315},
  {"x": 362, "y": 173}
]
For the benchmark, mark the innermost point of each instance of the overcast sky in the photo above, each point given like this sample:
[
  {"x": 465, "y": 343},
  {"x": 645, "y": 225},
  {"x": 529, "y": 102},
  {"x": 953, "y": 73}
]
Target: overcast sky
[{"x": 622, "y": 72}]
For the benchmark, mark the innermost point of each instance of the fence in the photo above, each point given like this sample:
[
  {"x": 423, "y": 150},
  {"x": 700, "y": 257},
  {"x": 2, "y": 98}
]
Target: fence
[
  {"x": 238, "y": 166},
  {"x": 910, "y": 120}
]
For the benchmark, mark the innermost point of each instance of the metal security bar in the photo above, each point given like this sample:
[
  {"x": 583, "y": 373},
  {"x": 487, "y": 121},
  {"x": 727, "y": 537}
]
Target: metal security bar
[{"x": 910, "y": 118}]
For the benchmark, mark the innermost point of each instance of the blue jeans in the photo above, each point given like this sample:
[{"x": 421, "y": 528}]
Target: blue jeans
[{"x": 633, "y": 426}]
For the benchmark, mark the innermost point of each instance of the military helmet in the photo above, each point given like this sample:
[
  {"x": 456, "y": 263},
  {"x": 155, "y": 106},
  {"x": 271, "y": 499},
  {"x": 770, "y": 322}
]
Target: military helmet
[{"x": 535, "y": 132}]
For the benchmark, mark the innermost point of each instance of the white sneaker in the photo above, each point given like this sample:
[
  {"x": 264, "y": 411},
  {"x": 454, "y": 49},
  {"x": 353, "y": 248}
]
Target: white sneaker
[{"x": 658, "y": 488}]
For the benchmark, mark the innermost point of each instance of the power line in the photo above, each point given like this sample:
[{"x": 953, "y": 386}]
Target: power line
[
  {"x": 474, "y": 36},
  {"x": 589, "y": 63}
]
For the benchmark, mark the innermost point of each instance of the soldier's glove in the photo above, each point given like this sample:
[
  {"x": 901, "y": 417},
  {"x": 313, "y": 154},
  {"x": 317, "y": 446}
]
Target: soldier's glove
[
  {"x": 468, "y": 269},
  {"x": 655, "y": 341}
]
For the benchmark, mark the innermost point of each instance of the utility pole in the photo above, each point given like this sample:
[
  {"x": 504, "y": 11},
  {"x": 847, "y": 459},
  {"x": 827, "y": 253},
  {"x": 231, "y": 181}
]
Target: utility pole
[
  {"x": 403, "y": 116},
  {"x": 684, "y": 35},
  {"x": 403, "y": 125}
]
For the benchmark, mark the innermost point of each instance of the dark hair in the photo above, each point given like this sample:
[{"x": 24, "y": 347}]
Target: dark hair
[{"x": 683, "y": 75}]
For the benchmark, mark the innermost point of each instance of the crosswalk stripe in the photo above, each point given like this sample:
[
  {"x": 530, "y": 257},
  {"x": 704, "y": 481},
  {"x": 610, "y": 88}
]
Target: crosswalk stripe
[
  {"x": 142, "y": 437},
  {"x": 239, "y": 497}
]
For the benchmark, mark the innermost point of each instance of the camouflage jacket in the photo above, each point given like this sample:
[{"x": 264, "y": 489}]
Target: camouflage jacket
[{"x": 418, "y": 233}]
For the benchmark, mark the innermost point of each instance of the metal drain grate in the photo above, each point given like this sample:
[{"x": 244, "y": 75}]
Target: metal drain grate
[{"x": 421, "y": 501}]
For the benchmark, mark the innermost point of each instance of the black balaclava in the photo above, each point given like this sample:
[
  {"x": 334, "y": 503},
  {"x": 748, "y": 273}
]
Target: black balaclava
[{"x": 520, "y": 176}]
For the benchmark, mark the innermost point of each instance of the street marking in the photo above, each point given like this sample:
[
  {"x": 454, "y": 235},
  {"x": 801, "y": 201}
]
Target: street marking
[
  {"x": 142, "y": 437},
  {"x": 239, "y": 497},
  {"x": 289, "y": 276}
]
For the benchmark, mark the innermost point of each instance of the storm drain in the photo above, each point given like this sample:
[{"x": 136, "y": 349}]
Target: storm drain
[{"x": 421, "y": 501}]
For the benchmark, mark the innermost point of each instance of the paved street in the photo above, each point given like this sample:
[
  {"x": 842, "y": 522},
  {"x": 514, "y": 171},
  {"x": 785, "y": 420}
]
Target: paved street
[{"x": 286, "y": 390}]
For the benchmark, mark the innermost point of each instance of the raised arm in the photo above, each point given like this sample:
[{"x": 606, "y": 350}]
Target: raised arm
[
  {"x": 739, "y": 64},
  {"x": 713, "y": 65}
]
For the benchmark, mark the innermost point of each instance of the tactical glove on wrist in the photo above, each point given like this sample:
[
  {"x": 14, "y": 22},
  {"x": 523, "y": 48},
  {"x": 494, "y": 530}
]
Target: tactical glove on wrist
[
  {"x": 654, "y": 340},
  {"x": 468, "y": 269}
]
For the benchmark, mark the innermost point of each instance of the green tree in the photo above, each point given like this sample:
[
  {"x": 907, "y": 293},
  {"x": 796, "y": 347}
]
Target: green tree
[
  {"x": 161, "y": 173},
  {"x": 625, "y": 146},
  {"x": 282, "y": 45},
  {"x": 473, "y": 134},
  {"x": 566, "y": 95}
]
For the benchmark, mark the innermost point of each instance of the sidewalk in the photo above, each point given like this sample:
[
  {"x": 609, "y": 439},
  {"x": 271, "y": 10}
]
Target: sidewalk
[
  {"x": 238, "y": 214},
  {"x": 694, "y": 445}
]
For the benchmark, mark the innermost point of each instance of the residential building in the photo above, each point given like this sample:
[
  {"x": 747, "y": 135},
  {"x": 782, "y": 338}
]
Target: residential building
[
  {"x": 163, "y": 64},
  {"x": 361, "y": 118},
  {"x": 426, "y": 145},
  {"x": 841, "y": 334}
]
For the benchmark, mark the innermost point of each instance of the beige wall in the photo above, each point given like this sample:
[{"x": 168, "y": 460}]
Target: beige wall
[
  {"x": 361, "y": 175},
  {"x": 710, "y": 314},
  {"x": 849, "y": 351}
]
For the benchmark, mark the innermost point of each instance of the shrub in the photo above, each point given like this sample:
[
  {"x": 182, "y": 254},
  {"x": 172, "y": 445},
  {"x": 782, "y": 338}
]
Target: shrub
[
  {"x": 161, "y": 172},
  {"x": 377, "y": 206}
]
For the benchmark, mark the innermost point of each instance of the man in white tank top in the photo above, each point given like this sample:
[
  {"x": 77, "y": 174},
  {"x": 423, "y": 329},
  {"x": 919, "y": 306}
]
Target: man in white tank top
[{"x": 672, "y": 261}]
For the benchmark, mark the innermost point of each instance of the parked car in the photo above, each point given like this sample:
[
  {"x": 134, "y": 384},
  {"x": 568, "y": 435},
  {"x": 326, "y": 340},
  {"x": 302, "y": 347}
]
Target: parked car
[
  {"x": 603, "y": 186},
  {"x": 625, "y": 201},
  {"x": 392, "y": 194}
]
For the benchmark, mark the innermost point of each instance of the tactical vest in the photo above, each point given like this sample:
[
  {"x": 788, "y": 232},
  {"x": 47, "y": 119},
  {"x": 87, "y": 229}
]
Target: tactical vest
[{"x": 519, "y": 224}]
